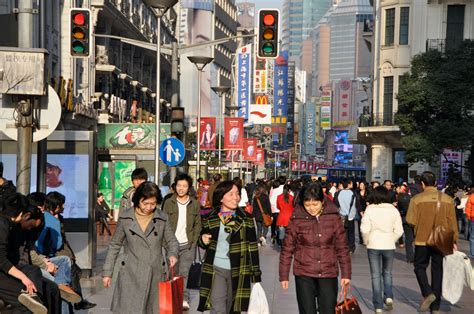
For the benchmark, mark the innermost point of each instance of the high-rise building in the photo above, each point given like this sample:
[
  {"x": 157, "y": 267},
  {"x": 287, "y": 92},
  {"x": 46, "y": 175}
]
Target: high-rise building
[
  {"x": 400, "y": 31},
  {"x": 299, "y": 17},
  {"x": 246, "y": 15}
]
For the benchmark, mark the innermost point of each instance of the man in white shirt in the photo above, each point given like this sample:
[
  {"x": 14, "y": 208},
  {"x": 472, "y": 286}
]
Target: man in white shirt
[
  {"x": 277, "y": 190},
  {"x": 185, "y": 219}
]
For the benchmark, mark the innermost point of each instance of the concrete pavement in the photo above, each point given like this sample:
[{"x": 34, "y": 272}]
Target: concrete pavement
[{"x": 406, "y": 291}]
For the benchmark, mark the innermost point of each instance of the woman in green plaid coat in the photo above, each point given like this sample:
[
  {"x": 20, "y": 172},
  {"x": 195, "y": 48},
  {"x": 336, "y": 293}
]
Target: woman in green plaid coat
[{"x": 231, "y": 263}]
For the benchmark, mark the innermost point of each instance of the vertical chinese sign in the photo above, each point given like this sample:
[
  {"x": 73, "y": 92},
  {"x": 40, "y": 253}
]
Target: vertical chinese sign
[
  {"x": 280, "y": 89},
  {"x": 243, "y": 80}
]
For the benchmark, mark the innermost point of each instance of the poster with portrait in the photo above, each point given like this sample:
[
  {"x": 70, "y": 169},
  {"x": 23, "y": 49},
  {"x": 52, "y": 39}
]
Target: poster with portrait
[
  {"x": 249, "y": 152},
  {"x": 208, "y": 133},
  {"x": 260, "y": 157},
  {"x": 234, "y": 133}
]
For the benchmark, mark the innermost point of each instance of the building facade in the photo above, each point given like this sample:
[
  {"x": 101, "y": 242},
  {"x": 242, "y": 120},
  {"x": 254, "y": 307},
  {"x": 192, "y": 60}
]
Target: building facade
[{"x": 401, "y": 30}]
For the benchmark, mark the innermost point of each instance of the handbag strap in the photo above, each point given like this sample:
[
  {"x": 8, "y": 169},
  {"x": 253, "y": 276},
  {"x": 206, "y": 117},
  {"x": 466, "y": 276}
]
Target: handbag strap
[
  {"x": 197, "y": 253},
  {"x": 260, "y": 206},
  {"x": 343, "y": 294}
]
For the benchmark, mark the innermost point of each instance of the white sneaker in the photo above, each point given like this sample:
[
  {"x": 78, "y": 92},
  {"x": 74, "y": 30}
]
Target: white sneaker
[
  {"x": 378, "y": 311},
  {"x": 185, "y": 306},
  {"x": 389, "y": 304},
  {"x": 264, "y": 242}
]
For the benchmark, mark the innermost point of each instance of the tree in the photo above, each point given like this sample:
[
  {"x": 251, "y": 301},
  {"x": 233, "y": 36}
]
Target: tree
[{"x": 436, "y": 104}]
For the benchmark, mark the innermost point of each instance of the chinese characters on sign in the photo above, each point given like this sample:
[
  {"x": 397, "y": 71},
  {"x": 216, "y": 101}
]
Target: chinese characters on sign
[
  {"x": 452, "y": 157},
  {"x": 326, "y": 98},
  {"x": 280, "y": 89},
  {"x": 260, "y": 76},
  {"x": 243, "y": 80}
]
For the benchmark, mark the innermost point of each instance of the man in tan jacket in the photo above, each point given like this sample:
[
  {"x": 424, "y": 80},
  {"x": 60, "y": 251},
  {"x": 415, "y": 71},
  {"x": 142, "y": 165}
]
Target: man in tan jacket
[{"x": 421, "y": 214}]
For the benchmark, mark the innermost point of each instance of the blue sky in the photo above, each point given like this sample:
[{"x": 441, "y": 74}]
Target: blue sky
[{"x": 267, "y": 4}]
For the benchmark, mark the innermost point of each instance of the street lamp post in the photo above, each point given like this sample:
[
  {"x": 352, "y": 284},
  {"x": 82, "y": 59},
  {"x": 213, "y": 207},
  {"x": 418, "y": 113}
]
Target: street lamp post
[
  {"x": 200, "y": 62},
  {"x": 160, "y": 6},
  {"x": 220, "y": 91}
]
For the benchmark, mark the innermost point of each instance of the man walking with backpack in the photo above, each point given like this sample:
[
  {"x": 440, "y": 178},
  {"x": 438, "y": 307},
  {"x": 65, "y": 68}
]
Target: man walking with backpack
[{"x": 345, "y": 199}]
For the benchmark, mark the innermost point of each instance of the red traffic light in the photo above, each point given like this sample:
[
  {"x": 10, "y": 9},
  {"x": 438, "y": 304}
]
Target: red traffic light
[
  {"x": 269, "y": 20},
  {"x": 79, "y": 19}
]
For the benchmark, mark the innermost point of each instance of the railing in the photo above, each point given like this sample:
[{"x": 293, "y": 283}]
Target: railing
[{"x": 380, "y": 119}]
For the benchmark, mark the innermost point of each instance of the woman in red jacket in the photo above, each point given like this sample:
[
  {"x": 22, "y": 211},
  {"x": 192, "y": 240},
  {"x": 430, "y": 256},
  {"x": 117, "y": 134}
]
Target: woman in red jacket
[
  {"x": 316, "y": 238},
  {"x": 285, "y": 204}
]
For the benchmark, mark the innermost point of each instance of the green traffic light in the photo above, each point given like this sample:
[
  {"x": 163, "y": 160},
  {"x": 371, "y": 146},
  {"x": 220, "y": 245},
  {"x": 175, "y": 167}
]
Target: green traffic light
[
  {"x": 78, "y": 47},
  {"x": 268, "y": 48}
]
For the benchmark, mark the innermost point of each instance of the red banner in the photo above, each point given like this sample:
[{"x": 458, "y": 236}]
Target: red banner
[
  {"x": 303, "y": 165},
  {"x": 294, "y": 165},
  {"x": 229, "y": 153},
  {"x": 250, "y": 146},
  {"x": 234, "y": 133},
  {"x": 310, "y": 166},
  {"x": 208, "y": 133},
  {"x": 260, "y": 157}
]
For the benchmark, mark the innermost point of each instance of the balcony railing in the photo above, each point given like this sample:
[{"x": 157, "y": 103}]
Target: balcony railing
[{"x": 380, "y": 119}]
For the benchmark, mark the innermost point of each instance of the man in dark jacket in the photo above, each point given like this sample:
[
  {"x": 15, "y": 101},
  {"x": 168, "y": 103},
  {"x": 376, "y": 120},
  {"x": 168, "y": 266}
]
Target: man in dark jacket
[
  {"x": 14, "y": 276},
  {"x": 185, "y": 219},
  {"x": 139, "y": 176},
  {"x": 403, "y": 201}
]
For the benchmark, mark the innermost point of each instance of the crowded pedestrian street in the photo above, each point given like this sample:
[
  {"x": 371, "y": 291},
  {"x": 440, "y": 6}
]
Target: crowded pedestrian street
[{"x": 406, "y": 292}]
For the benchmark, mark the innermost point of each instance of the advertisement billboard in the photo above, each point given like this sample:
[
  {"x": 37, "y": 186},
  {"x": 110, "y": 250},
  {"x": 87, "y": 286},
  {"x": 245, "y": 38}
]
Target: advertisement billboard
[
  {"x": 343, "y": 103},
  {"x": 208, "y": 133},
  {"x": 310, "y": 129},
  {"x": 234, "y": 133},
  {"x": 260, "y": 157},
  {"x": 244, "y": 61},
  {"x": 130, "y": 136},
  {"x": 280, "y": 89},
  {"x": 326, "y": 101},
  {"x": 342, "y": 148},
  {"x": 260, "y": 76},
  {"x": 260, "y": 114},
  {"x": 250, "y": 147}
]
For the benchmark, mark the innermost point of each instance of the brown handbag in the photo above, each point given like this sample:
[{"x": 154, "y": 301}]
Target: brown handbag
[
  {"x": 348, "y": 305},
  {"x": 441, "y": 237},
  {"x": 267, "y": 219}
]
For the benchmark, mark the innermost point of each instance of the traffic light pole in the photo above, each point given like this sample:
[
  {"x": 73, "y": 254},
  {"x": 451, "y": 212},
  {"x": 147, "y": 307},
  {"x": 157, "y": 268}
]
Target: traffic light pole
[
  {"x": 174, "y": 92},
  {"x": 25, "y": 131}
]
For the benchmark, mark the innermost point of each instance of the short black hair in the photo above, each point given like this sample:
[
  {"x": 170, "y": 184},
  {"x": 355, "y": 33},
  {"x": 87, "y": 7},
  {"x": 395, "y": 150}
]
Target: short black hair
[
  {"x": 139, "y": 174},
  {"x": 100, "y": 194},
  {"x": 217, "y": 177},
  {"x": 428, "y": 178},
  {"x": 146, "y": 190},
  {"x": 282, "y": 180},
  {"x": 311, "y": 191},
  {"x": 183, "y": 177},
  {"x": 1, "y": 169},
  {"x": 345, "y": 183},
  {"x": 379, "y": 195},
  {"x": 53, "y": 200},
  {"x": 222, "y": 189},
  {"x": 15, "y": 204},
  {"x": 37, "y": 198},
  {"x": 238, "y": 181}
]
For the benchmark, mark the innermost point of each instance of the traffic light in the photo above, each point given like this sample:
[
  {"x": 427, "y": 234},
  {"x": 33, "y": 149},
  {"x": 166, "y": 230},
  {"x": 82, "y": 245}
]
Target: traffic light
[
  {"x": 80, "y": 30},
  {"x": 177, "y": 121},
  {"x": 268, "y": 30}
]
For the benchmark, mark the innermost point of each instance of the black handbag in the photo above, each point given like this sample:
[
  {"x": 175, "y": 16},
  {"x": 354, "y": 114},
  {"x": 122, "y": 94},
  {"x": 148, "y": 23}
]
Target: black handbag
[{"x": 194, "y": 275}]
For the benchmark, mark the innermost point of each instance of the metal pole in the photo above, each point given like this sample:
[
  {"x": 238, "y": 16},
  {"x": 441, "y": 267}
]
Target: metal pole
[
  {"x": 299, "y": 164},
  {"x": 275, "y": 165},
  {"x": 232, "y": 161},
  {"x": 289, "y": 164},
  {"x": 198, "y": 124},
  {"x": 42, "y": 145},
  {"x": 220, "y": 129},
  {"x": 175, "y": 92},
  {"x": 240, "y": 161},
  {"x": 159, "y": 14},
  {"x": 25, "y": 134}
]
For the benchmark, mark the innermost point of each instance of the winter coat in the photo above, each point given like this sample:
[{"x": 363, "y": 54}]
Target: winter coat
[
  {"x": 286, "y": 209},
  {"x": 244, "y": 261},
  {"x": 266, "y": 207},
  {"x": 469, "y": 209},
  {"x": 318, "y": 244},
  {"x": 193, "y": 217},
  {"x": 136, "y": 290},
  {"x": 381, "y": 226},
  {"x": 126, "y": 200}
]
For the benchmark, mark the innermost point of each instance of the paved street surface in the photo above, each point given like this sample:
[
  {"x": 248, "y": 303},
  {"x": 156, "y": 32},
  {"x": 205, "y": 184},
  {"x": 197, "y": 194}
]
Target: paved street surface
[{"x": 406, "y": 290}]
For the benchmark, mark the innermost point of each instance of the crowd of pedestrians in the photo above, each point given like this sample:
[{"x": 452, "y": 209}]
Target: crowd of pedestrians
[{"x": 315, "y": 225}]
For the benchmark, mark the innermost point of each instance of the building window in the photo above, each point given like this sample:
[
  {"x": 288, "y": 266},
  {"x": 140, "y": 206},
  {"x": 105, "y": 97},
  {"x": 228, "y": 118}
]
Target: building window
[
  {"x": 389, "y": 27},
  {"x": 455, "y": 26},
  {"x": 404, "y": 22},
  {"x": 387, "y": 100}
]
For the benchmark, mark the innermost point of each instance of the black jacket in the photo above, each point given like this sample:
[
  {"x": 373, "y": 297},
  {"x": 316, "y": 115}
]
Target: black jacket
[
  {"x": 266, "y": 207},
  {"x": 5, "y": 189}
]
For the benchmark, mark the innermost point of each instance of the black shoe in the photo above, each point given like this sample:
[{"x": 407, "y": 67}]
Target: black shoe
[{"x": 84, "y": 305}]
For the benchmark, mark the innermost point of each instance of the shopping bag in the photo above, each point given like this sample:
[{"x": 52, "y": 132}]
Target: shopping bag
[
  {"x": 171, "y": 294},
  {"x": 258, "y": 301},
  {"x": 194, "y": 275},
  {"x": 347, "y": 304},
  {"x": 454, "y": 277}
]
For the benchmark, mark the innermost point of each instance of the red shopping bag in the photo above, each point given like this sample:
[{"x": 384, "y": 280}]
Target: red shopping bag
[{"x": 171, "y": 294}]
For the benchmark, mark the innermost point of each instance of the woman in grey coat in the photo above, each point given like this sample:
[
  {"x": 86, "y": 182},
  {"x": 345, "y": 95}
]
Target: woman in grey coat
[{"x": 142, "y": 231}]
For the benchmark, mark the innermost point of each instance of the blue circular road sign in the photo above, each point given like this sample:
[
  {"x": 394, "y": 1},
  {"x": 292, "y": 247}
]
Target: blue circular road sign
[{"x": 172, "y": 152}]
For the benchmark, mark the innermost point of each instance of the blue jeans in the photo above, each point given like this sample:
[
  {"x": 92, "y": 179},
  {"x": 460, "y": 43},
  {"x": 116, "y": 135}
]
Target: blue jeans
[
  {"x": 63, "y": 274},
  {"x": 381, "y": 262},
  {"x": 471, "y": 238}
]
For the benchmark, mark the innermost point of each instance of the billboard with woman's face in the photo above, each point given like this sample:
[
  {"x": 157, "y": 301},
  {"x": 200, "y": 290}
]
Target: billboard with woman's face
[{"x": 208, "y": 133}]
